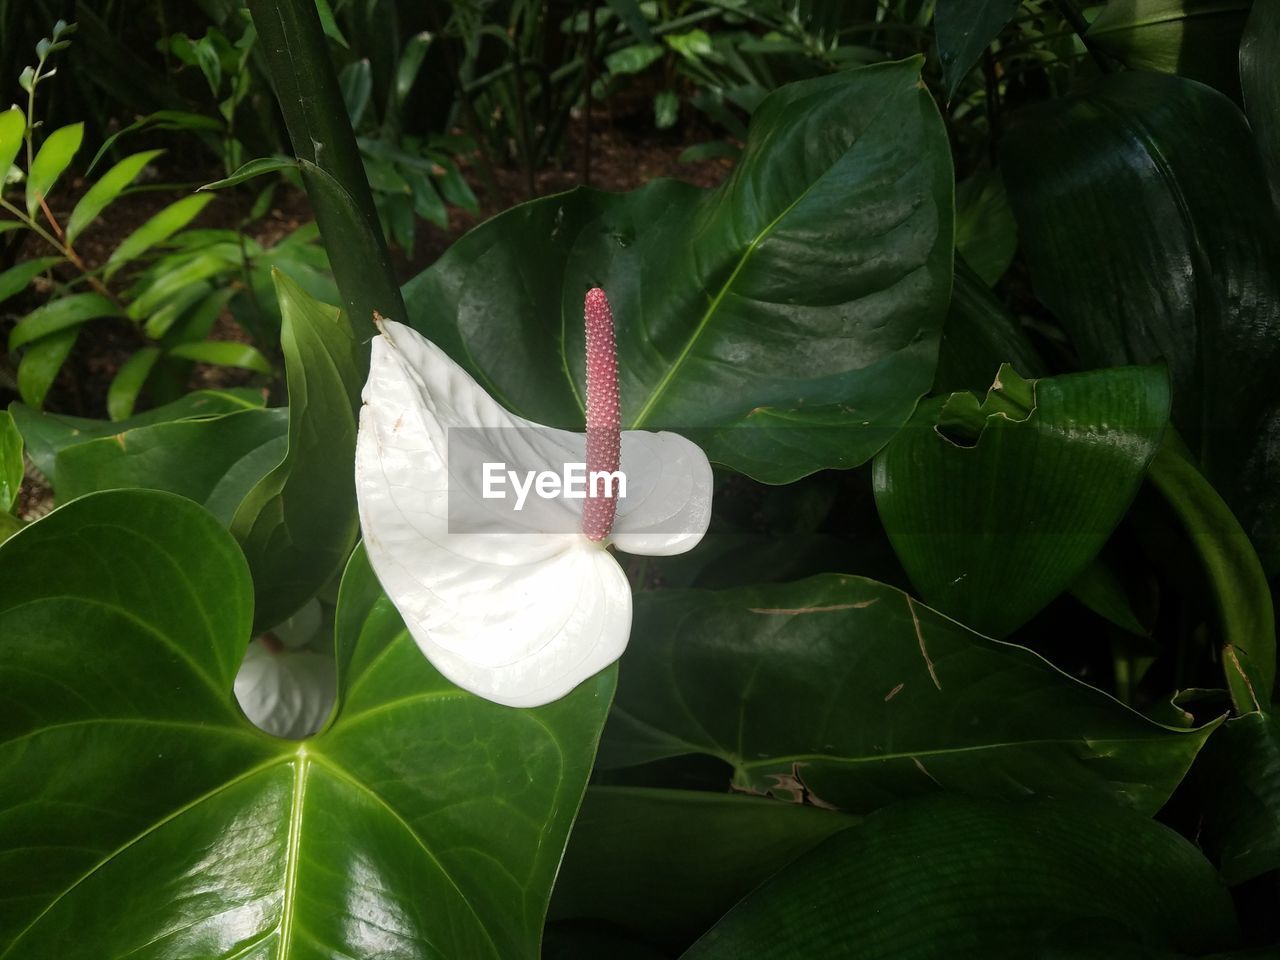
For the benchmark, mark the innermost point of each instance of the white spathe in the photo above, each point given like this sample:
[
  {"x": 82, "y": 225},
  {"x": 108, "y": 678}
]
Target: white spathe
[
  {"x": 516, "y": 614},
  {"x": 287, "y": 693}
]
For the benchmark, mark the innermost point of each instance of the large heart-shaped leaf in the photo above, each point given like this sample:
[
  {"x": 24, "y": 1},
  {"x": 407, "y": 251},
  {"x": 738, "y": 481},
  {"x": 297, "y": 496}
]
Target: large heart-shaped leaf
[
  {"x": 788, "y": 320},
  {"x": 143, "y": 816},
  {"x": 844, "y": 691},
  {"x": 994, "y": 508},
  {"x": 973, "y": 880},
  {"x": 1260, "y": 83},
  {"x": 298, "y": 523},
  {"x": 665, "y": 864},
  {"x": 1194, "y": 38},
  {"x": 1192, "y": 280},
  {"x": 47, "y": 434}
]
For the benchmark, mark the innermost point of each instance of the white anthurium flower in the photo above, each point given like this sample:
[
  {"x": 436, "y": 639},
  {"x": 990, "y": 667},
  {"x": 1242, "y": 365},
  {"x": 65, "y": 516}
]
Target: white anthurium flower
[
  {"x": 515, "y": 599},
  {"x": 284, "y": 689}
]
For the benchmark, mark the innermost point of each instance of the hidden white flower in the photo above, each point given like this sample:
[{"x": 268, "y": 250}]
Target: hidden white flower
[
  {"x": 284, "y": 689},
  {"x": 521, "y": 606}
]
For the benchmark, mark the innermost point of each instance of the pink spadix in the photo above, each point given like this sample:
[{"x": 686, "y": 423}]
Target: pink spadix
[{"x": 604, "y": 439}]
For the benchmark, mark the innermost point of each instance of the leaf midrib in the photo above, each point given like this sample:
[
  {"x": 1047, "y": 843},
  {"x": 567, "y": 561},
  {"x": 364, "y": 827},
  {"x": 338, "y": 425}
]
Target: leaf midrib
[
  {"x": 763, "y": 235},
  {"x": 163, "y": 821},
  {"x": 302, "y": 759}
]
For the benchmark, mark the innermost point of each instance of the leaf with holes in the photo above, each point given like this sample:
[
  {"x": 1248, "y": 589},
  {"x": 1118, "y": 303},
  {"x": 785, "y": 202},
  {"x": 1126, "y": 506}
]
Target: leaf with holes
[
  {"x": 991, "y": 552},
  {"x": 787, "y": 321},
  {"x": 844, "y": 691},
  {"x": 423, "y": 822}
]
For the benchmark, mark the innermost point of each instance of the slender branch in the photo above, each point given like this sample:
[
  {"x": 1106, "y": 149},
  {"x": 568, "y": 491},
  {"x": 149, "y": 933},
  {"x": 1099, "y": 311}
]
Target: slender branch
[
  {"x": 65, "y": 249},
  {"x": 48, "y": 215},
  {"x": 1071, "y": 13},
  {"x": 992, "y": 81}
]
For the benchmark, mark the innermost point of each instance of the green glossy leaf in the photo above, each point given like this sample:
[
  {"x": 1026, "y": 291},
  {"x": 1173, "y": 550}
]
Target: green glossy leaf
[
  {"x": 51, "y": 160},
  {"x": 995, "y": 508},
  {"x": 356, "y": 83},
  {"x": 41, "y": 362},
  {"x": 161, "y": 320},
  {"x": 1241, "y": 596},
  {"x": 1260, "y": 83},
  {"x": 298, "y": 524},
  {"x": 665, "y": 864},
  {"x": 223, "y": 353},
  {"x": 964, "y": 29},
  {"x": 979, "y": 335},
  {"x": 635, "y": 58},
  {"x": 455, "y": 188},
  {"x": 157, "y": 229},
  {"x": 1171, "y": 259},
  {"x": 844, "y": 691},
  {"x": 12, "y": 468},
  {"x": 122, "y": 395},
  {"x": 990, "y": 881},
  {"x": 18, "y": 277},
  {"x": 329, "y": 24},
  {"x": 426, "y": 199},
  {"x": 1194, "y": 38},
  {"x": 165, "y": 284},
  {"x": 215, "y": 462},
  {"x": 1239, "y": 780},
  {"x": 171, "y": 827},
  {"x": 410, "y": 65},
  {"x": 254, "y": 168},
  {"x": 65, "y": 312},
  {"x": 13, "y": 124},
  {"x": 46, "y": 434},
  {"x": 107, "y": 189},
  {"x": 788, "y": 320}
]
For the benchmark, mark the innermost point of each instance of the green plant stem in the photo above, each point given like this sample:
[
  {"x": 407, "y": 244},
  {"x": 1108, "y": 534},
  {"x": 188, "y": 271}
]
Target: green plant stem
[
  {"x": 1241, "y": 595},
  {"x": 31, "y": 112},
  {"x": 1071, "y": 13},
  {"x": 586, "y": 99},
  {"x": 297, "y": 55},
  {"x": 65, "y": 249}
]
